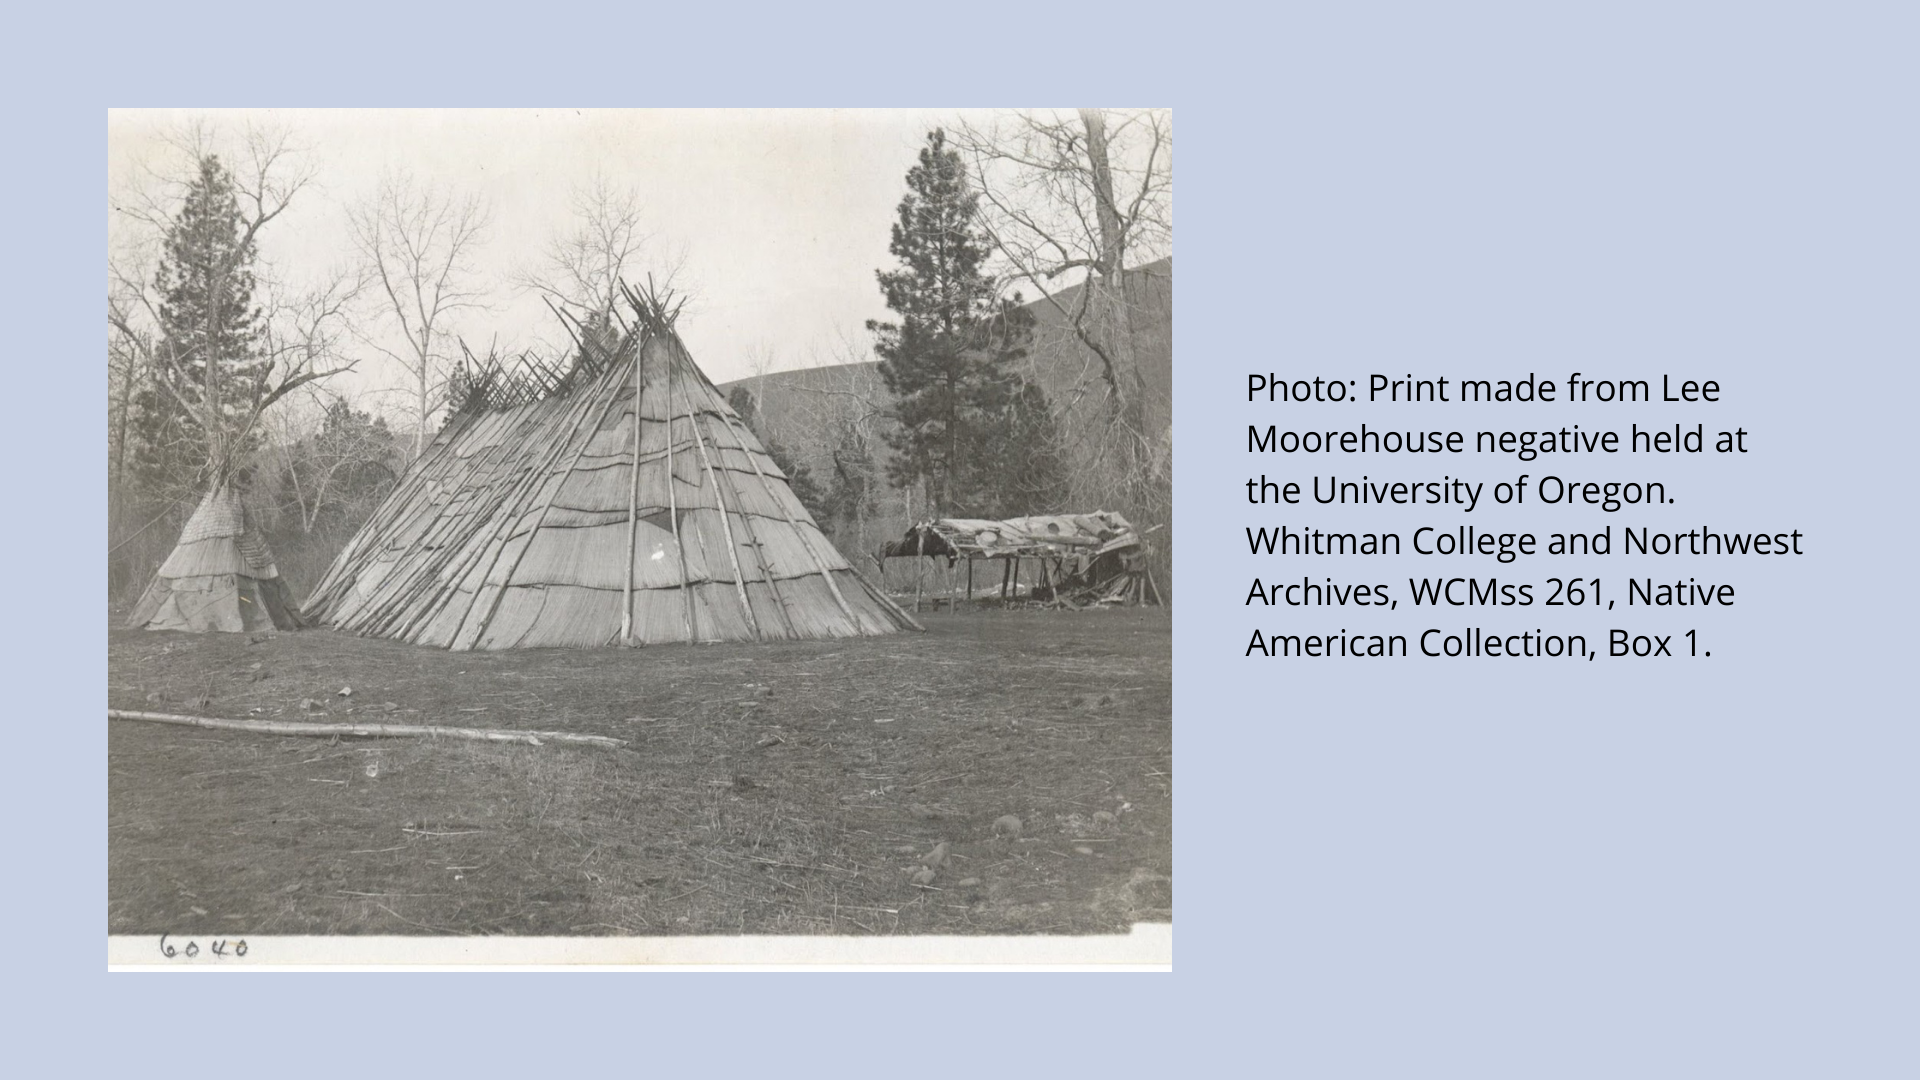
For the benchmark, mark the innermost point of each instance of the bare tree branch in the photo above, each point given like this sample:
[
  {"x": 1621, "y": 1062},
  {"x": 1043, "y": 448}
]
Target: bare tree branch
[
  {"x": 581, "y": 271},
  {"x": 417, "y": 243},
  {"x": 1073, "y": 200}
]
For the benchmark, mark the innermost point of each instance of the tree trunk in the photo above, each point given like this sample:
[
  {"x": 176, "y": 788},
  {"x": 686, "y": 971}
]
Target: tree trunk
[
  {"x": 1113, "y": 240},
  {"x": 943, "y": 498},
  {"x": 212, "y": 391},
  {"x": 420, "y": 429},
  {"x": 125, "y": 408},
  {"x": 1107, "y": 293}
]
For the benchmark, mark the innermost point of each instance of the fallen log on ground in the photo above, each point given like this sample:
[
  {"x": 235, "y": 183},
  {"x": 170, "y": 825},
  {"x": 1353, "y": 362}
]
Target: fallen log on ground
[{"x": 368, "y": 731}]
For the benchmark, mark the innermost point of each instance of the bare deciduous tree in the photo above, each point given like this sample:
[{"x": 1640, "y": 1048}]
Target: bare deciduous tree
[
  {"x": 1074, "y": 199},
  {"x": 268, "y": 169},
  {"x": 330, "y": 459},
  {"x": 417, "y": 243},
  {"x": 292, "y": 334},
  {"x": 130, "y": 341},
  {"x": 581, "y": 271},
  {"x": 265, "y": 175}
]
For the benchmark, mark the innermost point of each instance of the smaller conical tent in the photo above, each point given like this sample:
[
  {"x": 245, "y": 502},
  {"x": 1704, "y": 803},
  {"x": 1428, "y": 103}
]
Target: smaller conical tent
[
  {"x": 618, "y": 501},
  {"x": 220, "y": 576}
]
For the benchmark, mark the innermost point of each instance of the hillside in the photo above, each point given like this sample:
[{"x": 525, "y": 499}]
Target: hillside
[
  {"x": 1057, "y": 360},
  {"x": 811, "y": 411}
]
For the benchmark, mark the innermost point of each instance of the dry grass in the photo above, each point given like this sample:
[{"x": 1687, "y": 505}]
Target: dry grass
[{"x": 760, "y": 792}]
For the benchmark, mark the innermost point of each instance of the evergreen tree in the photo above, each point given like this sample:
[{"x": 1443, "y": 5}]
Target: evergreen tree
[
  {"x": 949, "y": 360},
  {"x": 1029, "y": 463},
  {"x": 208, "y": 364}
]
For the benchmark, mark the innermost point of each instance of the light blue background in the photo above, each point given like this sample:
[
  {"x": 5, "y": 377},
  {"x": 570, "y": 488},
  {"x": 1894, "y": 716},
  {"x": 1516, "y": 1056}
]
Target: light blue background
[
  {"x": 1473, "y": 868},
  {"x": 1503, "y": 867}
]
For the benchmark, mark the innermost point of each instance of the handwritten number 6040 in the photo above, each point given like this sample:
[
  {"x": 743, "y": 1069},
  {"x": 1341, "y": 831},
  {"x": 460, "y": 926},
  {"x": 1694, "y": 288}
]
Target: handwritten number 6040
[{"x": 192, "y": 948}]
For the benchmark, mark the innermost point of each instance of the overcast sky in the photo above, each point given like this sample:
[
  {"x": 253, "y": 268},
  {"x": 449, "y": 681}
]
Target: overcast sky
[{"x": 783, "y": 217}]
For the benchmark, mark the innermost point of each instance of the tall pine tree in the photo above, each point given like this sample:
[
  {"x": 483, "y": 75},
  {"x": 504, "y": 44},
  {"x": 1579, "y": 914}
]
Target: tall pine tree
[
  {"x": 949, "y": 360},
  {"x": 208, "y": 365}
]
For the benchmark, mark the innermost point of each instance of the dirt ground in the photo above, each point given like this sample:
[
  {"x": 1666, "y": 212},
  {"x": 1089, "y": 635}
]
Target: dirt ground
[{"x": 790, "y": 788}]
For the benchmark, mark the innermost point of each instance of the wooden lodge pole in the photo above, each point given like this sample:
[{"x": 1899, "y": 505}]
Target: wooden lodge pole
[
  {"x": 753, "y": 538},
  {"x": 720, "y": 507},
  {"x": 369, "y": 731},
  {"x": 508, "y": 516},
  {"x": 884, "y": 600},
  {"x": 826, "y": 575},
  {"x": 454, "y": 553},
  {"x": 673, "y": 508},
  {"x": 1016, "y": 577},
  {"x": 633, "y": 504},
  {"x": 333, "y": 586},
  {"x": 1006, "y": 571},
  {"x": 969, "y": 579},
  {"x": 819, "y": 564},
  {"x": 919, "y": 567},
  {"x": 466, "y": 551}
]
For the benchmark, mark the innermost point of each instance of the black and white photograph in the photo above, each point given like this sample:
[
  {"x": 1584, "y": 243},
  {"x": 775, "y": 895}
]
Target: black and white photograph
[{"x": 640, "y": 537}]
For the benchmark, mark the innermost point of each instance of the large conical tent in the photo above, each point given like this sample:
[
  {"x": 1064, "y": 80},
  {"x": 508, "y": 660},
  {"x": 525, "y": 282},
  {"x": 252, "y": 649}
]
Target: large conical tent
[
  {"x": 220, "y": 576},
  {"x": 543, "y": 515}
]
